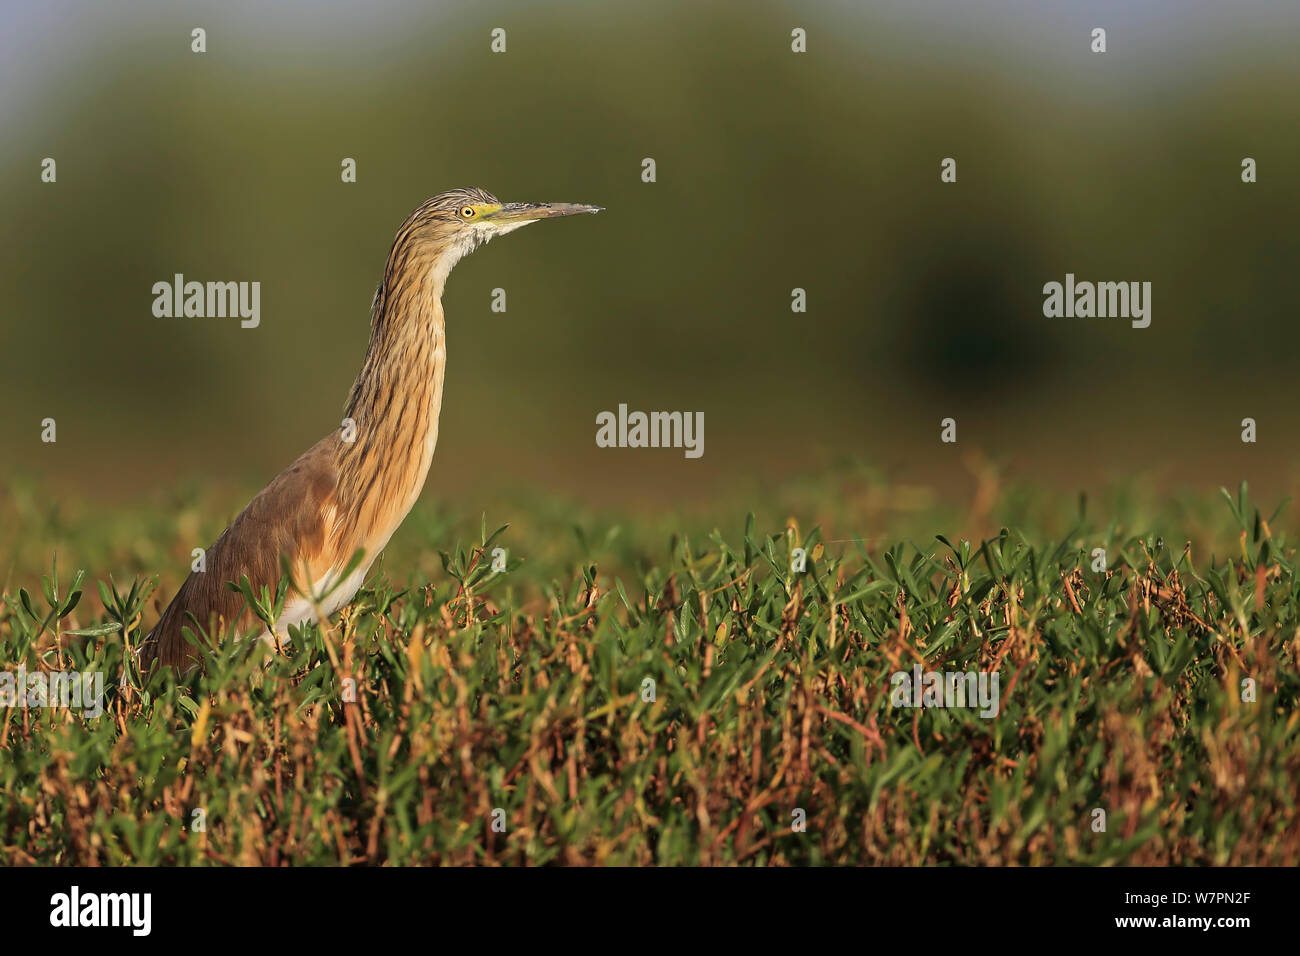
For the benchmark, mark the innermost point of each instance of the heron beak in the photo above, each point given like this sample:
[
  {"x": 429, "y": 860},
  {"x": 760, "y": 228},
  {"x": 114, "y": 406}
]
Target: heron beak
[{"x": 522, "y": 212}]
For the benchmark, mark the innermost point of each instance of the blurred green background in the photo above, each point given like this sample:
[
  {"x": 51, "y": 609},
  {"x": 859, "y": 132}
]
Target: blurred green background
[{"x": 775, "y": 171}]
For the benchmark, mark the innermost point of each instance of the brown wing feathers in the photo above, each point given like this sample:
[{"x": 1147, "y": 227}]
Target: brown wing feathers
[{"x": 288, "y": 517}]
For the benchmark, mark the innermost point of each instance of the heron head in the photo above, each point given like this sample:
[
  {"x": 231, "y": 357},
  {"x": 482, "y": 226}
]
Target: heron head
[{"x": 456, "y": 222}]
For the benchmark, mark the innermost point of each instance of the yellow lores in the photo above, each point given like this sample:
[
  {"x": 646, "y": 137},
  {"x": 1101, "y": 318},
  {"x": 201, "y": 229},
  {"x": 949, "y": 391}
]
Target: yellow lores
[{"x": 345, "y": 496}]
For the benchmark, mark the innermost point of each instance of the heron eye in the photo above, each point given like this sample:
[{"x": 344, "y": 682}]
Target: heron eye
[{"x": 467, "y": 212}]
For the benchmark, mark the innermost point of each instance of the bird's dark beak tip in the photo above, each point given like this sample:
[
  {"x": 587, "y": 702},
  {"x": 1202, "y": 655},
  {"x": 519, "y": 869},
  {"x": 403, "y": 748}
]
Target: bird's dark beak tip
[
  {"x": 581, "y": 209},
  {"x": 511, "y": 212}
]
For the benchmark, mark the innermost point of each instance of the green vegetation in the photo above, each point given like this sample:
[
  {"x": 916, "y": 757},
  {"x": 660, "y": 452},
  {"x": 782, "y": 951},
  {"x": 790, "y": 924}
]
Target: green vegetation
[{"x": 525, "y": 691}]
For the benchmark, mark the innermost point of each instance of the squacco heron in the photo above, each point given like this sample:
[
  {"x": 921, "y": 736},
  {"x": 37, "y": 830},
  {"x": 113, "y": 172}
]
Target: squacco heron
[{"x": 349, "y": 492}]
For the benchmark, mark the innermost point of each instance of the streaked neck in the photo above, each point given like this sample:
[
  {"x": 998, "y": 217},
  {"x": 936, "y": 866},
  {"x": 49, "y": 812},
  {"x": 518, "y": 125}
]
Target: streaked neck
[{"x": 394, "y": 406}]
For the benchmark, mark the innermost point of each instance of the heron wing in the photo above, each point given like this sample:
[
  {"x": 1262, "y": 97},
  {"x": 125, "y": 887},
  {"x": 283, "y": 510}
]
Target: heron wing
[{"x": 292, "y": 517}]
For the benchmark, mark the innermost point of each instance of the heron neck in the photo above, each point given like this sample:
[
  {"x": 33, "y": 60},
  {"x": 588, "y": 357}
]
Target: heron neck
[
  {"x": 394, "y": 406},
  {"x": 406, "y": 332}
]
